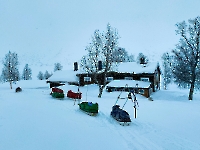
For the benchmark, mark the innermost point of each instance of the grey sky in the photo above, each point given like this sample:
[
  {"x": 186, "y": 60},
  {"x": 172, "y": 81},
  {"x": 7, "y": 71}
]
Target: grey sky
[{"x": 64, "y": 27}]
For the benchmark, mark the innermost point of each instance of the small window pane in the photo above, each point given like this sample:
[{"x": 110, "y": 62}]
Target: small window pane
[
  {"x": 144, "y": 79},
  {"x": 128, "y": 78},
  {"x": 87, "y": 79},
  {"x": 141, "y": 91},
  {"x": 109, "y": 78}
]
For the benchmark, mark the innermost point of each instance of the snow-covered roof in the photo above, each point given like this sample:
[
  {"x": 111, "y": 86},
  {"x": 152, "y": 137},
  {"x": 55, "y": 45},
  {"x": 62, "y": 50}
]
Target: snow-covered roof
[
  {"x": 64, "y": 76},
  {"x": 130, "y": 83},
  {"x": 130, "y": 67}
]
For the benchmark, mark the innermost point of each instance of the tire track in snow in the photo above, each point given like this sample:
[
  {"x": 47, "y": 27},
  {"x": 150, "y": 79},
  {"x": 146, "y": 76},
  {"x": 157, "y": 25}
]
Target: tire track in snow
[
  {"x": 147, "y": 136},
  {"x": 131, "y": 138},
  {"x": 134, "y": 135},
  {"x": 128, "y": 132},
  {"x": 171, "y": 141}
]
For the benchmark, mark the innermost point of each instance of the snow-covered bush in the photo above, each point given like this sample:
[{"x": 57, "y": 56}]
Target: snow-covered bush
[{"x": 40, "y": 76}]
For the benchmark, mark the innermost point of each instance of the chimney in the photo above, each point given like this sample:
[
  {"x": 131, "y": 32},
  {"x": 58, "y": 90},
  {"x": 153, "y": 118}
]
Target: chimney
[
  {"x": 75, "y": 66},
  {"x": 99, "y": 65}
]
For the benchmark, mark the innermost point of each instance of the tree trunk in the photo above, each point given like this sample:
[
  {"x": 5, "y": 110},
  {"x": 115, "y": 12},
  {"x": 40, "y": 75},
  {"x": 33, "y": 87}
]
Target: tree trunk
[
  {"x": 100, "y": 91},
  {"x": 101, "y": 87},
  {"x": 191, "y": 91},
  {"x": 165, "y": 86},
  {"x": 96, "y": 78},
  {"x": 10, "y": 84}
]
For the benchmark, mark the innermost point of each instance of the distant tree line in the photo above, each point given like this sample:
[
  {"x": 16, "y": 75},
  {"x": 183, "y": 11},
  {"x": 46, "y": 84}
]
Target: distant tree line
[
  {"x": 10, "y": 71},
  {"x": 42, "y": 76},
  {"x": 46, "y": 75}
]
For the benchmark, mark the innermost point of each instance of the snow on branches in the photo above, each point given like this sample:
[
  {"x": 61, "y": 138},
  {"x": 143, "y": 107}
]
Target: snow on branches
[
  {"x": 10, "y": 72},
  {"x": 186, "y": 66}
]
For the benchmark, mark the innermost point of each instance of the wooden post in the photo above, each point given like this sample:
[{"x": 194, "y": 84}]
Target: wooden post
[{"x": 135, "y": 112}]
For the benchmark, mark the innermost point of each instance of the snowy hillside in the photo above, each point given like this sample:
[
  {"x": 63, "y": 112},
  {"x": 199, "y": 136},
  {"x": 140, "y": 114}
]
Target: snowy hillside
[{"x": 33, "y": 120}]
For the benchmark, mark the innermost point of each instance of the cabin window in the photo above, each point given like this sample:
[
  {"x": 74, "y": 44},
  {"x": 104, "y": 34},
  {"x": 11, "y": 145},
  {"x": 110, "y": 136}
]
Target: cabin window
[
  {"x": 109, "y": 79},
  {"x": 141, "y": 91},
  {"x": 128, "y": 78},
  {"x": 144, "y": 79},
  {"x": 87, "y": 79}
]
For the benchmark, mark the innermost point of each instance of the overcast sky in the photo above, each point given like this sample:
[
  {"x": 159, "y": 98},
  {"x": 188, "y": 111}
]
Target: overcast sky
[{"x": 64, "y": 27}]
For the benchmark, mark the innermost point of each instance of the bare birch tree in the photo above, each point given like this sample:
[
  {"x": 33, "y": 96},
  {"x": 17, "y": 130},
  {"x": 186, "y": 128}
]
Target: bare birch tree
[
  {"x": 110, "y": 44},
  {"x": 101, "y": 49},
  {"x": 186, "y": 66}
]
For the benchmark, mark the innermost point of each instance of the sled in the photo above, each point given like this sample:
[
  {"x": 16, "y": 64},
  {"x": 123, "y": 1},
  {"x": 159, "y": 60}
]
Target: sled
[
  {"x": 57, "y": 95},
  {"x": 118, "y": 113},
  {"x": 89, "y": 108},
  {"x": 74, "y": 95},
  {"x": 57, "y": 90}
]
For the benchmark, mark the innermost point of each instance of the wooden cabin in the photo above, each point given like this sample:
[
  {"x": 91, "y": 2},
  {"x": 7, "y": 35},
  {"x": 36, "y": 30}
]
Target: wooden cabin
[
  {"x": 127, "y": 71},
  {"x": 148, "y": 73}
]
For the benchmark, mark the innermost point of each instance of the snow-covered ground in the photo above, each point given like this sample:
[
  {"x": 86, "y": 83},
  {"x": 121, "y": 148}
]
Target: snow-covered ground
[{"x": 33, "y": 120}]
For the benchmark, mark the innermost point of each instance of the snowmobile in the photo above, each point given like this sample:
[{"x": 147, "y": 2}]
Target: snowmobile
[
  {"x": 89, "y": 108},
  {"x": 57, "y": 93},
  {"x": 118, "y": 113}
]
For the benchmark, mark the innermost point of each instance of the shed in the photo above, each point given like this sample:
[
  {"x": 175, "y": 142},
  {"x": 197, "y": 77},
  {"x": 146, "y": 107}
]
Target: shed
[{"x": 140, "y": 87}]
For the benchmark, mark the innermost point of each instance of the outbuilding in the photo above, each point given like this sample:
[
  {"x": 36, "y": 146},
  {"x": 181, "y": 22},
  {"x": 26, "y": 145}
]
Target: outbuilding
[{"x": 140, "y": 87}]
